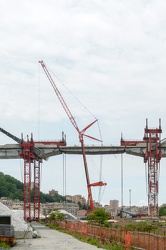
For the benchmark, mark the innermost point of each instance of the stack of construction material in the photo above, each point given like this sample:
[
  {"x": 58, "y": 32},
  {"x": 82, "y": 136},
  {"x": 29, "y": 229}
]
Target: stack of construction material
[{"x": 21, "y": 228}]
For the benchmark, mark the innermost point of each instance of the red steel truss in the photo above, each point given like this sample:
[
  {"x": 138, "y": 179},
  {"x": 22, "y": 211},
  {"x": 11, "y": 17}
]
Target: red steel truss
[
  {"x": 29, "y": 154},
  {"x": 153, "y": 156},
  {"x": 37, "y": 190},
  {"x": 32, "y": 155},
  {"x": 29, "y": 158}
]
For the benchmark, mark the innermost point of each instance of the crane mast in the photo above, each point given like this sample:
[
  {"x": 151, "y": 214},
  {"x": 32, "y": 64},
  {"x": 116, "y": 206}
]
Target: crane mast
[{"x": 81, "y": 134}]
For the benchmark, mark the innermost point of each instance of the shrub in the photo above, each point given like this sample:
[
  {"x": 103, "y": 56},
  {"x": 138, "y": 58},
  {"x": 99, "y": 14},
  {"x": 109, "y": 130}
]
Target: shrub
[{"x": 98, "y": 216}]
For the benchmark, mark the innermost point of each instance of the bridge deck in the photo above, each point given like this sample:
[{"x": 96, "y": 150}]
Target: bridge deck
[{"x": 12, "y": 151}]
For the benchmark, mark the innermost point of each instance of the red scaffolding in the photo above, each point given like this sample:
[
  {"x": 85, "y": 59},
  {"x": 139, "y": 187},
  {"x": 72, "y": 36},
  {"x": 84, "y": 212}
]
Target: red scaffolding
[
  {"x": 32, "y": 156},
  {"x": 153, "y": 156}
]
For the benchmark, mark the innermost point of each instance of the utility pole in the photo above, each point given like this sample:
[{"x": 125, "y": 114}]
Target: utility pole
[
  {"x": 121, "y": 181},
  {"x": 130, "y": 199}
]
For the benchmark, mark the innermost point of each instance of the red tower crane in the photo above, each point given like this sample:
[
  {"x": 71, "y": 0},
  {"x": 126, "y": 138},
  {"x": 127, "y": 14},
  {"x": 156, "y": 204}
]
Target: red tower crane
[{"x": 81, "y": 134}]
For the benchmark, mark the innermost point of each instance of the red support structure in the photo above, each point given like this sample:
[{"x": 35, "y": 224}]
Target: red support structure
[
  {"x": 153, "y": 156},
  {"x": 27, "y": 189},
  {"x": 26, "y": 155},
  {"x": 37, "y": 190},
  {"x": 32, "y": 154},
  {"x": 29, "y": 158}
]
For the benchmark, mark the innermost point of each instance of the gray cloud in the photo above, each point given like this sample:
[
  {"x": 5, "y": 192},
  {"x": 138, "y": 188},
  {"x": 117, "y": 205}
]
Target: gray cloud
[{"x": 110, "y": 54}]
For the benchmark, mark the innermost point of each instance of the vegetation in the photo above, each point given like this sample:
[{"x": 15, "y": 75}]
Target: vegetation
[
  {"x": 93, "y": 241},
  {"x": 4, "y": 245},
  {"x": 10, "y": 187},
  {"x": 98, "y": 216},
  {"x": 13, "y": 189},
  {"x": 81, "y": 206},
  {"x": 56, "y": 216},
  {"x": 154, "y": 227},
  {"x": 48, "y": 198},
  {"x": 142, "y": 226},
  {"x": 162, "y": 211}
]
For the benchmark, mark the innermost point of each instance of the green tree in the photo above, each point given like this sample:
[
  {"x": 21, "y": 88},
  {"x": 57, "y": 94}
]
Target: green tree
[
  {"x": 162, "y": 211},
  {"x": 81, "y": 206},
  {"x": 99, "y": 216},
  {"x": 13, "y": 189}
]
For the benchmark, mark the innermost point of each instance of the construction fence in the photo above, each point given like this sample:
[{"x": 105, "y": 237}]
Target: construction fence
[
  {"x": 138, "y": 240},
  {"x": 7, "y": 234}
]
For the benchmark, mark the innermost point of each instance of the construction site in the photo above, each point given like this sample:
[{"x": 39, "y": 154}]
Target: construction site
[
  {"x": 82, "y": 112},
  {"x": 152, "y": 148}
]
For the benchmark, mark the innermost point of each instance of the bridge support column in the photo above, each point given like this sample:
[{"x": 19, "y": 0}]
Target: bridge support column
[
  {"x": 152, "y": 156},
  {"x": 36, "y": 190}
]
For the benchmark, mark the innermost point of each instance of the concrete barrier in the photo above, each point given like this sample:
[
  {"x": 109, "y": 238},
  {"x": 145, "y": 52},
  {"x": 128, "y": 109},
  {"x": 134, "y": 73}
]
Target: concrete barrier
[{"x": 23, "y": 234}]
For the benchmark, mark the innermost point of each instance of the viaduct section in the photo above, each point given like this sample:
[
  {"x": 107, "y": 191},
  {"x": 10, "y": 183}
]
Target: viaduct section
[{"x": 151, "y": 148}]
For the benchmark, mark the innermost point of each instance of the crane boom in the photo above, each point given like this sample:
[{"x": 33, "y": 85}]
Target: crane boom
[
  {"x": 80, "y": 132},
  {"x": 60, "y": 97}
]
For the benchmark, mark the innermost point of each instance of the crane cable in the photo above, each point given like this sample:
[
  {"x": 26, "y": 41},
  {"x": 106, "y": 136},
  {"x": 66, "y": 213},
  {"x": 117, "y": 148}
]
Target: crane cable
[
  {"x": 21, "y": 170},
  {"x": 158, "y": 176},
  {"x": 100, "y": 170},
  {"x": 38, "y": 121},
  {"x": 101, "y": 157},
  {"x": 64, "y": 177},
  {"x": 122, "y": 181},
  {"x": 101, "y": 165},
  {"x": 146, "y": 179},
  {"x": 72, "y": 93},
  {"x": 38, "y": 100}
]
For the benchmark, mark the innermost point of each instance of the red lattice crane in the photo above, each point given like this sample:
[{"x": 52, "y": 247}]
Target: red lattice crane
[{"x": 81, "y": 134}]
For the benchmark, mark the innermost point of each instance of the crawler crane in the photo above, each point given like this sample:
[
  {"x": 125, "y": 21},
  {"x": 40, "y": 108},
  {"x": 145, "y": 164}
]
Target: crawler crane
[{"x": 81, "y": 134}]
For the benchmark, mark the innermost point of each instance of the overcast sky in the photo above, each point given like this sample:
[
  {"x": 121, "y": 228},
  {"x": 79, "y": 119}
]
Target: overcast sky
[{"x": 111, "y": 55}]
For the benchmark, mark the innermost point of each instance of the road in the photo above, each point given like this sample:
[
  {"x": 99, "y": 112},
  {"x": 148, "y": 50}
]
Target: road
[{"x": 51, "y": 240}]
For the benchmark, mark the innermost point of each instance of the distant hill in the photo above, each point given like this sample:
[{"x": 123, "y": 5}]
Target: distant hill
[{"x": 13, "y": 188}]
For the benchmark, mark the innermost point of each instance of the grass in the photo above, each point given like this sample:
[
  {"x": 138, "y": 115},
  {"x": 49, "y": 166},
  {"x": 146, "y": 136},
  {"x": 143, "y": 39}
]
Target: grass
[
  {"x": 93, "y": 241},
  {"x": 4, "y": 245},
  {"x": 144, "y": 226}
]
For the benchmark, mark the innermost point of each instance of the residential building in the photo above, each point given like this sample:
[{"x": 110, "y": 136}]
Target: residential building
[
  {"x": 53, "y": 192},
  {"x": 114, "y": 204},
  {"x": 76, "y": 198}
]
